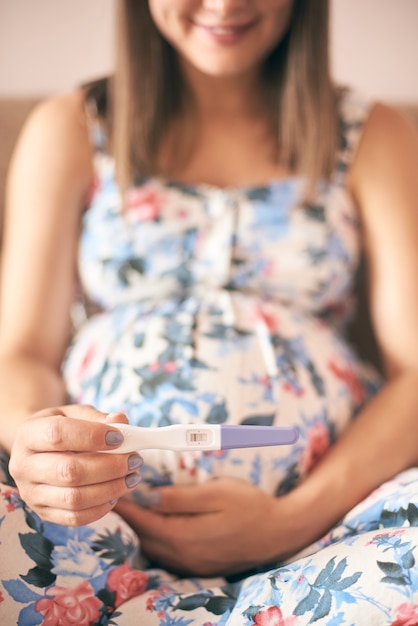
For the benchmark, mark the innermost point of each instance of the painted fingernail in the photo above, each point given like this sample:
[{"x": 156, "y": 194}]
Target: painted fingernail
[
  {"x": 132, "y": 480},
  {"x": 134, "y": 462},
  {"x": 113, "y": 438},
  {"x": 113, "y": 502},
  {"x": 152, "y": 498}
]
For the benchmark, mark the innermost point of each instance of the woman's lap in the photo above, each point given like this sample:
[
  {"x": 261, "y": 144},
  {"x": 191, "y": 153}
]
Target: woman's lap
[{"x": 363, "y": 572}]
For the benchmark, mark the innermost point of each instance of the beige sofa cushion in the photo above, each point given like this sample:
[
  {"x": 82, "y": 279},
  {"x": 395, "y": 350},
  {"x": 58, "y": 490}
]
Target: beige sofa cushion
[{"x": 13, "y": 113}]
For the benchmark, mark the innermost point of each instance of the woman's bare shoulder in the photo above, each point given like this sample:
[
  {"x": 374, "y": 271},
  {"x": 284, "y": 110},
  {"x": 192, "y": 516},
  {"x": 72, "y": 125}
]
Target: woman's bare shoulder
[
  {"x": 64, "y": 109},
  {"x": 387, "y": 156},
  {"x": 390, "y": 139},
  {"x": 56, "y": 134}
]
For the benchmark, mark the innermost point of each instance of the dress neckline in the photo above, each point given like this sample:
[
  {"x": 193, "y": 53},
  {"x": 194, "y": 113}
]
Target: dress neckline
[{"x": 204, "y": 189}]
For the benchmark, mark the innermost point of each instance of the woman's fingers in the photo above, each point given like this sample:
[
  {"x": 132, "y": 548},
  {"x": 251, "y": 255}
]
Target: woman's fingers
[
  {"x": 73, "y": 504},
  {"x": 82, "y": 412},
  {"x": 59, "y": 432},
  {"x": 71, "y": 469},
  {"x": 71, "y": 517},
  {"x": 59, "y": 469},
  {"x": 189, "y": 499},
  {"x": 78, "y": 498}
]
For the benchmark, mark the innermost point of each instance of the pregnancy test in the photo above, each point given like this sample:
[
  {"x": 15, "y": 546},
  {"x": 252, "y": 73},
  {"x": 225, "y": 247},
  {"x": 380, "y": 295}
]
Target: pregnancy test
[{"x": 207, "y": 437}]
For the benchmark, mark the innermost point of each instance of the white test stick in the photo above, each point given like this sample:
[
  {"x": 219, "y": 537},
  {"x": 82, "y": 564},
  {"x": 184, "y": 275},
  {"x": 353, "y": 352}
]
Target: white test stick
[{"x": 202, "y": 437}]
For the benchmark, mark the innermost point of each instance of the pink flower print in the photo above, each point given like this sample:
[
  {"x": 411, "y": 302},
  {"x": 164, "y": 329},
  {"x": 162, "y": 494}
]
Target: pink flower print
[
  {"x": 188, "y": 464},
  {"x": 94, "y": 188},
  {"x": 182, "y": 213},
  {"x": 126, "y": 583},
  {"x": 70, "y": 607},
  {"x": 318, "y": 443},
  {"x": 273, "y": 617},
  {"x": 265, "y": 381},
  {"x": 12, "y": 498},
  {"x": 88, "y": 357},
  {"x": 347, "y": 375},
  {"x": 269, "y": 268},
  {"x": 297, "y": 391},
  {"x": 149, "y": 605},
  {"x": 386, "y": 535},
  {"x": 270, "y": 320},
  {"x": 144, "y": 202},
  {"x": 406, "y": 615},
  {"x": 7, "y": 495},
  {"x": 217, "y": 454}
]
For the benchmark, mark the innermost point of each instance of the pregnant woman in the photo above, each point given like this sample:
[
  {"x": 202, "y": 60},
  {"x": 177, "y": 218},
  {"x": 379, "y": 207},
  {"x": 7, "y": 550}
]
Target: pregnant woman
[{"x": 181, "y": 246}]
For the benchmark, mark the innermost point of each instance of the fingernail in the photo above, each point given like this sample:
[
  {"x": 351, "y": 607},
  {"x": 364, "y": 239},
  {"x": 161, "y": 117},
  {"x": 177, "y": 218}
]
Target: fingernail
[
  {"x": 152, "y": 498},
  {"x": 132, "y": 480},
  {"x": 113, "y": 502},
  {"x": 113, "y": 438},
  {"x": 134, "y": 462}
]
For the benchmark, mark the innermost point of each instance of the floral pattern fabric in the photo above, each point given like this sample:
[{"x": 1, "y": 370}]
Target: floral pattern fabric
[
  {"x": 212, "y": 305},
  {"x": 363, "y": 572}
]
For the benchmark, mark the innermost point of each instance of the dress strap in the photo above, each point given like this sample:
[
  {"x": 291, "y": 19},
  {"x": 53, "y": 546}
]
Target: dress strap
[
  {"x": 354, "y": 110},
  {"x": 96, "y": 112}
]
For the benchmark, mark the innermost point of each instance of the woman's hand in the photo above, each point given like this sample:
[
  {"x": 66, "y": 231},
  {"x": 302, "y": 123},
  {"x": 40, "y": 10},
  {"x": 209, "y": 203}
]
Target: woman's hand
[
  {"x": 59, "y": 470},
  {"x": 223, "y": 526}
]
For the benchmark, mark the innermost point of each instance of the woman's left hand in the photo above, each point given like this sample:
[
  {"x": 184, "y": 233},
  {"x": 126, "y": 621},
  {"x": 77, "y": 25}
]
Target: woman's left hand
[{"x": 220, "y": 527}]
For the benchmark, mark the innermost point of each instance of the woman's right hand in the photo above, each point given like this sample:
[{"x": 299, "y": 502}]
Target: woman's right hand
[{"x": 58, "y": 467}]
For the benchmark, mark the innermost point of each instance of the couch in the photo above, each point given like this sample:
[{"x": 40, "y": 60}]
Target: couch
[{"x": 13, "y": 112}]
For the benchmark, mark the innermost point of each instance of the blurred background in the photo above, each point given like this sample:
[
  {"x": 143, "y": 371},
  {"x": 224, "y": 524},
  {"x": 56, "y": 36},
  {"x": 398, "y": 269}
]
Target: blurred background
[{"x": 52, "y": 45}]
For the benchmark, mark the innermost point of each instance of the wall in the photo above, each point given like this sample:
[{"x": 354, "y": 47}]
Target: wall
[
  {"x": 375, "y": 47},
  {"x": 51, "y": 45}
]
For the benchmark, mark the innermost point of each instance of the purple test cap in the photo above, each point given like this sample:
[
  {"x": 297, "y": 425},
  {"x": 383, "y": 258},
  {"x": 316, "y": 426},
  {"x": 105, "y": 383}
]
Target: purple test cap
[{"x": 239, "y": 436}]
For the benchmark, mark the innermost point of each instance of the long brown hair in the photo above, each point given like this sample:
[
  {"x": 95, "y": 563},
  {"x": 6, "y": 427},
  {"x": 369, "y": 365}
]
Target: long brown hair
[{"x": 147, "y": 91}]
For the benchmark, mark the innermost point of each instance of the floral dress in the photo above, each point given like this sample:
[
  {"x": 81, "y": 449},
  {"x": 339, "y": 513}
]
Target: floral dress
[{"x": 220, "y": 306}]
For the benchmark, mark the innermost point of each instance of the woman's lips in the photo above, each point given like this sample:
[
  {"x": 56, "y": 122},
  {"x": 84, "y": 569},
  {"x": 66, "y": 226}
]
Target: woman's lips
[{"x": 226, "y": 34}]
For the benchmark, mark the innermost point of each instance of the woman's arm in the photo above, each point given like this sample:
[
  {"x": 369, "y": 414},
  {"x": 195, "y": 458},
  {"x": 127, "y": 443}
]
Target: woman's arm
[
  {"x": 54, "y": 457},
  {"x": 382, "y": 441},
  {"x": 384, "y": 180},
  {"x": 49, "y": 178}
]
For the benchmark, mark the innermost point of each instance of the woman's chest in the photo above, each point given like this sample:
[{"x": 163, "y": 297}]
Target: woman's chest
[{"x": 173, "y": 237}]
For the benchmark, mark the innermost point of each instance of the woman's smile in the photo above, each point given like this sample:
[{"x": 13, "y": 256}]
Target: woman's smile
[
  {"x": 226, "y": 34},
  {"x": 228, "y": 39}
]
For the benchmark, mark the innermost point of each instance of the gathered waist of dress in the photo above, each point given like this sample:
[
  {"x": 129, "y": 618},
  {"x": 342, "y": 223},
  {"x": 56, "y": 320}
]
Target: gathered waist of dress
[{"x": 215, "y": 300}]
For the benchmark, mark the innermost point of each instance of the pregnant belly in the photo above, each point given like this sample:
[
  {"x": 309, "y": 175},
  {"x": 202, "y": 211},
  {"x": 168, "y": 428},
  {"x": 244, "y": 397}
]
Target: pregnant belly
[{"x": 230, "y": 358}]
